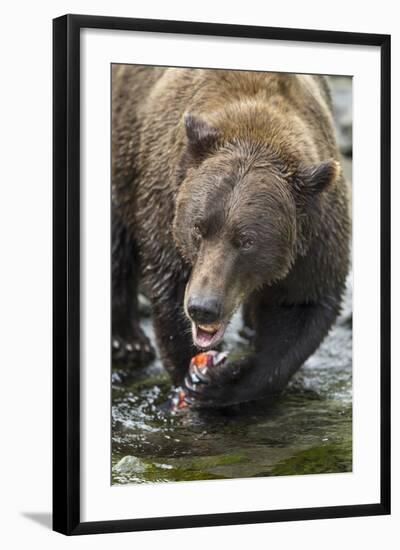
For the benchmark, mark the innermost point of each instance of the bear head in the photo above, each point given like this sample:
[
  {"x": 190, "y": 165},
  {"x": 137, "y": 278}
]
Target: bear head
[{"x": 240, "y": 221}]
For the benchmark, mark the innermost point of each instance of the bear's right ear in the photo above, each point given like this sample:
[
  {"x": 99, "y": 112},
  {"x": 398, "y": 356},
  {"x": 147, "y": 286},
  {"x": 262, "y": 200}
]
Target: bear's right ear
[{"x": 200, "y": 134}]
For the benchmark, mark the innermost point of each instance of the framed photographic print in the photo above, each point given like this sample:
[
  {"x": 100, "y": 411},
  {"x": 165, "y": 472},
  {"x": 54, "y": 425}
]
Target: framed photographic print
[{"x": 221, "y": 274}]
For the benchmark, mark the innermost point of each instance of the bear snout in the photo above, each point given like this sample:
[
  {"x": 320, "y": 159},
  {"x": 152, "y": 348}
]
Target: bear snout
[{"x": 204, "y": 309}]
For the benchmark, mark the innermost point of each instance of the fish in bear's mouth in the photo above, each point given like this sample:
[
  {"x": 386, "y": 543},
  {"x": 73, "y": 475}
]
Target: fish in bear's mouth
[{"x": 206, "y": 336}]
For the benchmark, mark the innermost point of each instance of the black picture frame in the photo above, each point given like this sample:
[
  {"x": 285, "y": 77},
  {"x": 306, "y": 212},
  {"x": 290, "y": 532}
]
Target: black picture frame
[{"x": 66, "y": 273}]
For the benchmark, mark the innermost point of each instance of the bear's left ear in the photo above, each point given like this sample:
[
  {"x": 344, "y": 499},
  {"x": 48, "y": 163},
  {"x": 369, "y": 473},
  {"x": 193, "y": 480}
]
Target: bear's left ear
[
  {"x": 200, "y": 134},
  {"x": 316, "y": 178}
]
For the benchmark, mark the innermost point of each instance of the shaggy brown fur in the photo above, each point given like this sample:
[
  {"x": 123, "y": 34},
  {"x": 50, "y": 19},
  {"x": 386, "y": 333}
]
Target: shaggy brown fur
[{"x": 204, "y": 160}]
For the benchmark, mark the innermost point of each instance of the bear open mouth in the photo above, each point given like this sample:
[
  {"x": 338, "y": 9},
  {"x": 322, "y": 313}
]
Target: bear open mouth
[{"x": 206, "y": 336}]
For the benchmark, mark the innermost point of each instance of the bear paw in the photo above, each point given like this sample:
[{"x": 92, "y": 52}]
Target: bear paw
[{"x": 134, "y": 351}]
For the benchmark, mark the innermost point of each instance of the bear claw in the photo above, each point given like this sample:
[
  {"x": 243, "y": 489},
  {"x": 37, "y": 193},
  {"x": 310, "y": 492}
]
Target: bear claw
[{"x": 136, "y": 352}]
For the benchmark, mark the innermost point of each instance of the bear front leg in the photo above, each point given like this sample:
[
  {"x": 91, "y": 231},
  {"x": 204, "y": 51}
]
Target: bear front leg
[
  {"x": 285, "y": 337},
  {"x": 130, "y": 346}
]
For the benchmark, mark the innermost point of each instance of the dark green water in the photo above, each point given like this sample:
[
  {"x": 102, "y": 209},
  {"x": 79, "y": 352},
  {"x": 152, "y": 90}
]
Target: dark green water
[{"x": 307, "y": 430}]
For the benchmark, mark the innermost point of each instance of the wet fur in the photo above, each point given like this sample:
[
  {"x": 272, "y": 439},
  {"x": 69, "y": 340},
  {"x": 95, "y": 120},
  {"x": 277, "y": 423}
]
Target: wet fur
[{"x": 274, "y": 124}]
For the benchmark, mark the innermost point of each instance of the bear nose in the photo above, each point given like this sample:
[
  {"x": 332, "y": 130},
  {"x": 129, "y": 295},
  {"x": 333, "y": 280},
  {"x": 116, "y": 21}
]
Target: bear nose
[{"x": 204, "y": 309}]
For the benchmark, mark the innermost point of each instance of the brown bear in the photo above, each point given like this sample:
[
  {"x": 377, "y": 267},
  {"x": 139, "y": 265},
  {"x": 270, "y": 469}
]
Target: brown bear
[{"x": 227, "y": 191}]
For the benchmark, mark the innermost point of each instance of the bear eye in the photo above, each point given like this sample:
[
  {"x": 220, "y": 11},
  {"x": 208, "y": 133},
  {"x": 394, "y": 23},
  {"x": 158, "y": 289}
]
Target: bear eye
[
  {"x": 197, "y": 233},
  {"x": 246, "y": 242}
]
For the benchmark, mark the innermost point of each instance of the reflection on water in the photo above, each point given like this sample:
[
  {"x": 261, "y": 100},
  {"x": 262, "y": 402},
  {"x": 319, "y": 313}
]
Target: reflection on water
[{"x": 307, "y": 430}]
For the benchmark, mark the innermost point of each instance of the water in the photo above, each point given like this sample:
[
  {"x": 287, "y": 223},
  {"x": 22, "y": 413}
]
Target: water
[{"x": 307, "y": 430}]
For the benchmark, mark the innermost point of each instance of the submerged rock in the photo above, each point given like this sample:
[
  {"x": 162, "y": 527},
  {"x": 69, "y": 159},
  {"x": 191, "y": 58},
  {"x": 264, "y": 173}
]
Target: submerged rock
[{"x": 130, "y": 464}]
